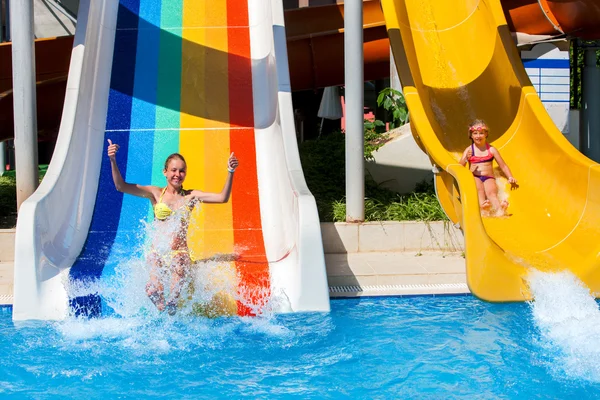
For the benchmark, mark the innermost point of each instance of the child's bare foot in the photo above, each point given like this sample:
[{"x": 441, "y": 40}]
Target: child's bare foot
[
  {"x": 172, "y": 307},
  {"x": 500, "y": 210},
  {"x": 485, "y": 205},
  {"x": 156, "y": 296}
]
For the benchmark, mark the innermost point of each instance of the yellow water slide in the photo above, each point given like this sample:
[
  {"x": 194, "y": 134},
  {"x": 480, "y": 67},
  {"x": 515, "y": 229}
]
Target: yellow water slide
[{"x": 458, "y": 62}]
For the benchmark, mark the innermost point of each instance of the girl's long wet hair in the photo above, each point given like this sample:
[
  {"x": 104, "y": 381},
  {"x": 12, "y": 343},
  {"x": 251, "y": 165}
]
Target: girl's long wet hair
[
  {"x": 172, "y": 157},
  {"x": 476, "y": 123}
]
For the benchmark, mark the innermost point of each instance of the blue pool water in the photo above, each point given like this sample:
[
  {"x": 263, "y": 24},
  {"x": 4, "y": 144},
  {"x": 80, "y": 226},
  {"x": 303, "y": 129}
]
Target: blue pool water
[{"x": 418, "y": 347}]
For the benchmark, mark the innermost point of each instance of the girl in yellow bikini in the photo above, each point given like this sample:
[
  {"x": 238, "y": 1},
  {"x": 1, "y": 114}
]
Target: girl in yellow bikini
[{"x": 172, "y": 206}]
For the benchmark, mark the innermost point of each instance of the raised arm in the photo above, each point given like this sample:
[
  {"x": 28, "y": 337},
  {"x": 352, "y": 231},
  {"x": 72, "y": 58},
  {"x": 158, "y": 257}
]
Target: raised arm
[
  {"x": 503, "y": 166},
  {"x": 225, "y": 193},
  {"x": 465, "y": 156},
  {"x": 120, "y": 184}
]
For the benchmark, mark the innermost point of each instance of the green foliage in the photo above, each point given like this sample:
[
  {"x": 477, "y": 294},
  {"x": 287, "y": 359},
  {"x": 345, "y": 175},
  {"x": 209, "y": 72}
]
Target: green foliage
[
  {"x": 323, "y": 162},
  {"x": 577, "y": 62},
  {"x": 383, "y": 205},
  {"x": 375, "y": 131},
  {"x": 8, "y": 195},
  {"x": 425, "y": 186},
  {"x": 393, "y": 102},
  {"x": 375, "y": 137},
  {"x": 8, "y": 191}
]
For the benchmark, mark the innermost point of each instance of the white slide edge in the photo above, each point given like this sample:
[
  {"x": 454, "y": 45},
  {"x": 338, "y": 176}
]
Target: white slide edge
[
  {"x": 53, "y": 223},
  {"x": 290, "y": 220}
]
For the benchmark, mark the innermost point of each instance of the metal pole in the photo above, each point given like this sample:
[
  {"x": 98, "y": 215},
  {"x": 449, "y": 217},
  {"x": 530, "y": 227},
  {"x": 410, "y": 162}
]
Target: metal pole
[
  {"x": 591, "y": 105},
  {"x": 354, "y": 77},
  {"x": 394, "y": 78},
  {"x": 7, "y": 20},
  {"x": 2, "y": 158},
  {"x": 10, "y": 146},
  {"x": 1, "y": 21},
  {"x": 24, "y": 98}
]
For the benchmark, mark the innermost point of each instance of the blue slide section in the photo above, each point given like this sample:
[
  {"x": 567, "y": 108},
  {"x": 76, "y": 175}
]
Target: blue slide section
[{"x": 117, "y": 220}]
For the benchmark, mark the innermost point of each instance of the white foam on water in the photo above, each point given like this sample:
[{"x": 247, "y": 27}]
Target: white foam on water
[
  {"x": 136, "y": 325},
  {"x": 568, "y": 318}
]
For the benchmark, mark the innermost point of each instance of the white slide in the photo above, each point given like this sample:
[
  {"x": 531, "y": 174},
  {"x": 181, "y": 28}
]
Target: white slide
[{"x": 54, "y": 224}]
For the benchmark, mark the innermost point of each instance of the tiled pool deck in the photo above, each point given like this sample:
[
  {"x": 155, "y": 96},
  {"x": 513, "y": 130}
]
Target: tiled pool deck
[
  {"x": 363, "y": 274},
  {"x": 407, "y": 273},
  {"x": 420, "y": 259},
  {"x": 6, "y": 283}
]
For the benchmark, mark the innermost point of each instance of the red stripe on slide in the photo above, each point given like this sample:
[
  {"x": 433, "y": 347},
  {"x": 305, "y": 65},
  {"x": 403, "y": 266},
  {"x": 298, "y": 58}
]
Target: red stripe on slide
[
  {"x": 241, "y": 112},
  {"x": 252, "y": 265},
  {"x": 237, "y": 15}
]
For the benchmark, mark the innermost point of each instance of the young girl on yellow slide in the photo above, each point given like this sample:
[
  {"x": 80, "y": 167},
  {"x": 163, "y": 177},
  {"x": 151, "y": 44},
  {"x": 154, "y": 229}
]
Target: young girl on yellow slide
[{"x": 480, "y": 156}]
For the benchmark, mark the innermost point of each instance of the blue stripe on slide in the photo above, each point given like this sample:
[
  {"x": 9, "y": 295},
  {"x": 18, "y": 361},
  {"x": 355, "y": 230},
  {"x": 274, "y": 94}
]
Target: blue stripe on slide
[
  {"x": 130, "y": 234},
  {"x": 107, "y": 209}
]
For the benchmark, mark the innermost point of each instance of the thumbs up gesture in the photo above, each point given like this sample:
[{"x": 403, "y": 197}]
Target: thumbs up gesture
[
  {"x": 112, "y": 149},
  {"x": 232, "y": 163}
]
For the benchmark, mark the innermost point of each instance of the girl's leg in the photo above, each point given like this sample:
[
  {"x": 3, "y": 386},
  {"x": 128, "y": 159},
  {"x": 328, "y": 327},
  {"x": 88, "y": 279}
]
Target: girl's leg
[
  {"x": 154, "y": 288},
  {"x": 491, "y": 191},
  {"x": 483, "y": 201},
  {"x": 179, "y": 268}
]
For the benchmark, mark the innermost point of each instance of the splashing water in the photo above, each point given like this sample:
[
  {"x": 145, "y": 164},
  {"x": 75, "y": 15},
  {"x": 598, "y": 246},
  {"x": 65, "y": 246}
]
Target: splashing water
[
  {"x": 132, "y": 324},
  {"x": 568, "y": 318},
  {"x": 210, "y": 288}
]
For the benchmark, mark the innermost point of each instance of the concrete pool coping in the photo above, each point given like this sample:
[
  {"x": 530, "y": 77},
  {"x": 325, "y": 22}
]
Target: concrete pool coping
[
  {"x": 396, "y": 274},
  {"x": 394, "y": 258},
  {"x": 368, "y": 259}
]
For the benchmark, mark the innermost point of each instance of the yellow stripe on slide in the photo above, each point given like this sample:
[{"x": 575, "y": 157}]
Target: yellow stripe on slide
[{"x": 204, "y": 141}]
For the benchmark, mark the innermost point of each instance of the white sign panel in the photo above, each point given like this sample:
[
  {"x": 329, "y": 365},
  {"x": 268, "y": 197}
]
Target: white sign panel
[{"x": 548, "y": 70}]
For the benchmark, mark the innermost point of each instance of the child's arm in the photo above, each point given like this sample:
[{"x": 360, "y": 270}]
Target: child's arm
[
  {"x": 223, "y": 195},
  {"x": 503, "y": 166},
  {"x": 120, "y": 184},
  {"x": 465, "y": 156}
]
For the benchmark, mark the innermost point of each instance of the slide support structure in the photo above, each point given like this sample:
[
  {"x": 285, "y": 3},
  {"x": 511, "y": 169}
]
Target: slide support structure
[
  {"x": 591, "y": 105},
  {"x": 2, "y": 157},
  {"x": 24, "y": 98},
  {"x": 1, "y": 25},
  {"x": 353, "y": 75}
]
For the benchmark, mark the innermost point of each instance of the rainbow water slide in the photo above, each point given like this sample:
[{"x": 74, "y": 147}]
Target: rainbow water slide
[
  {"x": 203, "y": 78},
  {"x": 458, "y": 62}
]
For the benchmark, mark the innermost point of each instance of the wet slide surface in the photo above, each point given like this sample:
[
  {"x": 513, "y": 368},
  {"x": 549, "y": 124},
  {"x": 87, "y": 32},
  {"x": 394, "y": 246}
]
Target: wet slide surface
[
  {"x": 181, "y": 82},
  {"x": 458, "y": 62}
]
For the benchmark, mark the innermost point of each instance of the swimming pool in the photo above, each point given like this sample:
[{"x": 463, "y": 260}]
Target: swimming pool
[{"x": 416, "y": 347}]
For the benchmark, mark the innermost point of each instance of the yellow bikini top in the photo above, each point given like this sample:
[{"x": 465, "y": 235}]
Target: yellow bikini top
[{"x": 161, "y": 210}]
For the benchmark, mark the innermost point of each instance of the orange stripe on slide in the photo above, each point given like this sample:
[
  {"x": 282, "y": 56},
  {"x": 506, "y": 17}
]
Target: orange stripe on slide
[{"x": 252, "y": 265}]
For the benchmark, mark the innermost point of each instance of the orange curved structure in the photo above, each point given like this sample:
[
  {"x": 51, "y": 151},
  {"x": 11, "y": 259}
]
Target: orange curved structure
[
  {"x": 315, "y": 39},
  {"x": 50, "y": 98},
  {"x": 316, "y": 35},
  {"x": 52, "y": 57},
  {"x": 579, "y": 18}
]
